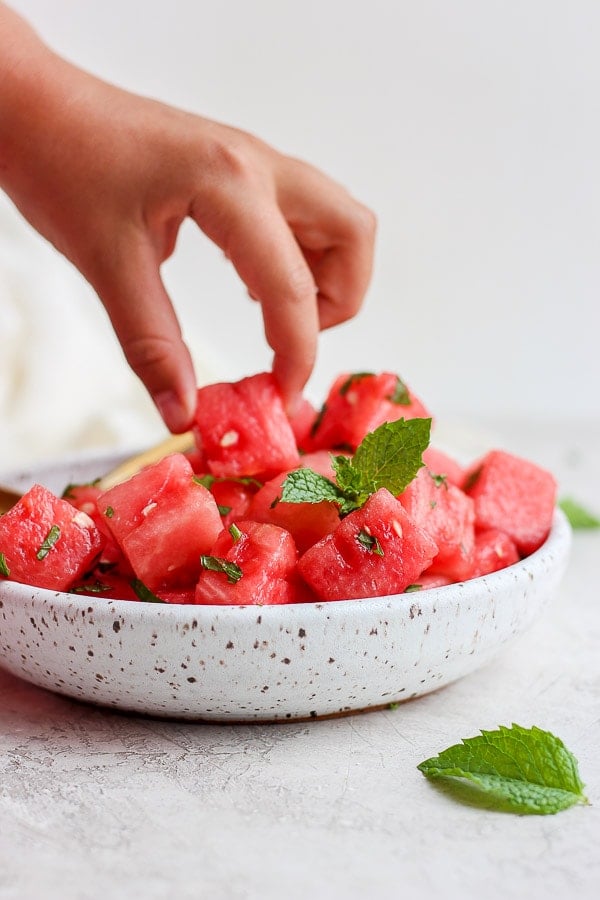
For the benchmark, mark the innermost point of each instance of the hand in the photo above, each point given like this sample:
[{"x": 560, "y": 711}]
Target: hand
[{"x": 108, "y": 178}]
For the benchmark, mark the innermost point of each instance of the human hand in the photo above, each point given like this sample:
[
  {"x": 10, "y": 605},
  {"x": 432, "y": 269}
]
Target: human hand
[{"x": 108, "y": 177}]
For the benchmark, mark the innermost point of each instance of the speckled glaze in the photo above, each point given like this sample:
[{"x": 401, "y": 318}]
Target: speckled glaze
[{"x": 267, "y": 663}]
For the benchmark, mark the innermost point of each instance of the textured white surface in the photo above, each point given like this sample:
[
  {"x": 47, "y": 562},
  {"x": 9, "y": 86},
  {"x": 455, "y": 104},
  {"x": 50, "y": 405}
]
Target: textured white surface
[{"x": 95, "y": 804}]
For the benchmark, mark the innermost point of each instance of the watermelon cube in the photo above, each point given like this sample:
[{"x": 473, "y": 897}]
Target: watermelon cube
[
  {"x": 254, "y": 565},
  {"x": 358, "y": 404},
  {"x": 242, "y": 429},
  {"x": 306, "y": 522},
  {"x": 447, "y": 515},
  {"x": 163, "y": 520},
  {"x": 494, "y": 550},
  {"x": 513, "y": 495},
  {"x": 376, "y": 550},
  {"x": 46, "y": 542}
]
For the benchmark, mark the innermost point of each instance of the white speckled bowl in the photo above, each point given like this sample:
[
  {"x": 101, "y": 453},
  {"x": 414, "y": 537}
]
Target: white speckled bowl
[{"x": 266, "y": 663}]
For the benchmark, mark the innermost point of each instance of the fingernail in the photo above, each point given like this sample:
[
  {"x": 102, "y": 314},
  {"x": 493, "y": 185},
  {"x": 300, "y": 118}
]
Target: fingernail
[{"x": 174, "y": 413}]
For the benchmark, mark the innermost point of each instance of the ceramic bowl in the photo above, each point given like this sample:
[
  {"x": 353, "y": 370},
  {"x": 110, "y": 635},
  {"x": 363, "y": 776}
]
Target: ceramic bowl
[{"x": 267, "y": 663}]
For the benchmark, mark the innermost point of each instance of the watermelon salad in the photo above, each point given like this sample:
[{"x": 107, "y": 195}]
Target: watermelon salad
[{"x": 348, "y": 502}]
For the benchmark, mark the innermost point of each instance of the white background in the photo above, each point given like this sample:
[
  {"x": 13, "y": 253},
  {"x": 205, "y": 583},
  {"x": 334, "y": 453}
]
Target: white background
[{"x": 473, "y": 131}]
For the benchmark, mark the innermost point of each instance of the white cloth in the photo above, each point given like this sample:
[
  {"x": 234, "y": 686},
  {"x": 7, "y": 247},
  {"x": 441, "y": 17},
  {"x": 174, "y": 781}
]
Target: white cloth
[{"x": 64, "y": 383}]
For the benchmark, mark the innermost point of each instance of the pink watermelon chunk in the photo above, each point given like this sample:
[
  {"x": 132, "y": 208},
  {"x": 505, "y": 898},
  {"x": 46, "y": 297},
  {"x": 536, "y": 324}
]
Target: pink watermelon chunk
[
  {"x": 357, "y": 404},
  {"x": 447, "y": 515},
  {"x": 242, "y": 429},
  {"x": 376, "y": 550},
  {"x": 494, "y": 550},
  {"x": 306, "y": 522},
  {"x": 46, "y": 542},
  {"x": 440, "y": 463},
  {"x": 513, "y": 495},
  {"x": 163, "y": 520},
  {"x": 265, "y": 556}
]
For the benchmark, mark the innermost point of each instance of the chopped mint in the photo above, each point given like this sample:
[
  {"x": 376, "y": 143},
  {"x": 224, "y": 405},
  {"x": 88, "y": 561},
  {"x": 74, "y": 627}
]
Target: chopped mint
[
  {"x": 48, "y": 542},
  {"x": 472, "y": 479},
  {"x": 440, "y": 480},
  {"x": 144, "y": 593},
  {"x": 520, "y": 770},
  {"x": 370, "y": 542},
  {"x": 96, "y": 587},
  {"x": 412, "y": 588},
  {"x": 388, "y": 457},
  {"x": 217, "y": 564},
  {"x": 223, "y": 510},
  {"x": 352, "y": 379},
  {"x": 318, "y": 419},
  {"x": 68, "y": 493},
  {"x": 4, "y": 570},
  {"x": 400, "y": 397},
  {"x": 578, "y": 516},
  {"x": 109, "y": 512},
  {"x": 207, "y": 481},
  {"x": 235, "y": 532}
]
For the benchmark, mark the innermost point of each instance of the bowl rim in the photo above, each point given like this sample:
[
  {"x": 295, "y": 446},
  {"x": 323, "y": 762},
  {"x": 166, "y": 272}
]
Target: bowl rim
[{"x": 556, "y": 544}]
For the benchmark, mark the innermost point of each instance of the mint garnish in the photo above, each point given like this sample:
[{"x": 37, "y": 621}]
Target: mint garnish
[
  {"x": 217, "y": 564},
  {"x": 370, "y": 542},
  {"x": 400, "y": 397},
  {"x": 352, "y": 379},
  {"x": 388, "y": 457},
  {"x": 520, "y": 770},
  {"x": 576, "y": 514},
  {"x": 4, "y": 570},
  {"x": 144, "y": 593},
  {"x": 48, "y": 542},
  {"x": 235, "y": 532}
]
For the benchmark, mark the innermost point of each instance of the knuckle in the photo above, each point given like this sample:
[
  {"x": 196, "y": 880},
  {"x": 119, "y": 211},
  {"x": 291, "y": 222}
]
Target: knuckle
[
  {"x": 300, "y": 283},
  {"x": 364, "y": 223},
  {"x": 148, "y": 352}
]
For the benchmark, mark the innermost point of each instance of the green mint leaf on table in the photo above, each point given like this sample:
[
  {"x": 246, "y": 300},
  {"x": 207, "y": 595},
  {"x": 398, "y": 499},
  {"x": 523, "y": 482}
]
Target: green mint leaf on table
[
  {"x": 216, "y": 564},
  {"x": 520, "y": 770},
  {"x": 4, "y": 570},
  {"x": 144, "y": 593},
  {"x": 48, "y": 542},
  {"x": 400, "y": 397},
  {"x": 578, "y": 516}
]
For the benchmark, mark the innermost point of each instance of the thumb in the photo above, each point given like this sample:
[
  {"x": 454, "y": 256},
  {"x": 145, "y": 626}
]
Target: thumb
[{"x": 148, "y": 330}]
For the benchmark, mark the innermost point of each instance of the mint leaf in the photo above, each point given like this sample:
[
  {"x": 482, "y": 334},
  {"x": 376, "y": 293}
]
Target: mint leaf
[
  {"x": 576, "y": 514},
  {"x": 144, "y": 593},
  {"x": 388, "y": 457},
  {"x": 235, "y": 532},
  {"x": 400, "y": 397},
  {"x": 307, "y": 486},
  {"x": 520, "y": 770},
  {"x": 356, "y": 376},
  {"x": 48, "y": 542},
  {"x": 217, "y": 564},
  {"x": 4, "y": 570},
  {"x": 370, "y": 542},
  {"x": 412, "y": 588},
  {"x": 391, "y": 456},
  {"x": 95, "y": 587},
  {"x": 207, "y": 481}
]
